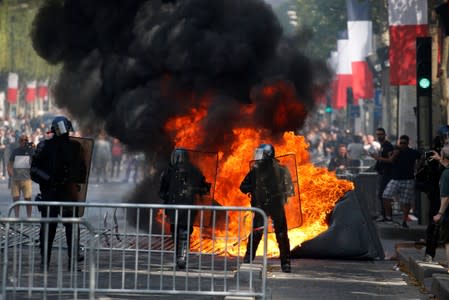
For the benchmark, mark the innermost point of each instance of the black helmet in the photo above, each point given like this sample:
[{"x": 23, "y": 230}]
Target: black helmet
[
  {"x": 61, "y": 126},
  {"x": 179, "y": 155},
  {"x": 443, "y": 134},
  {"x": 264, "y": 151}
]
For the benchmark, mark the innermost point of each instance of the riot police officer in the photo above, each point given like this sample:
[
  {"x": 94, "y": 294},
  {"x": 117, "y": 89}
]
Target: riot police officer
[
  {"x": 269, "y": 185},
  {"x": 58, "y": 167},
  {"x": 180, "y": 184}
]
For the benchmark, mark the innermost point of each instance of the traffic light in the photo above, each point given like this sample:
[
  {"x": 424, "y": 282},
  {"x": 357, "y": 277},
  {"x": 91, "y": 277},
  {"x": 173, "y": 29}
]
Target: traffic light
[
  {"x": 424, "y": 91},
  {"x": 424, "y": 66}
]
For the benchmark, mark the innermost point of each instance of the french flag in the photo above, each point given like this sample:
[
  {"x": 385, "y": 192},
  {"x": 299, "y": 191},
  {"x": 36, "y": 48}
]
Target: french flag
[
  {"x": 360, "y": 34},
  {"x": 30, "y": 93},
  {"x": 407, "y": 20},
  {"x": 13, "y": 88},
  {"x": 343, "y": 79},
  {"x": 42, "y": 90}
]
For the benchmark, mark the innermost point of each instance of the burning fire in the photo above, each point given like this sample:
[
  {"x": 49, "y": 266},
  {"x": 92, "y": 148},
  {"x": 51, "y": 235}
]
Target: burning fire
[{"x": 319, "y": 188}]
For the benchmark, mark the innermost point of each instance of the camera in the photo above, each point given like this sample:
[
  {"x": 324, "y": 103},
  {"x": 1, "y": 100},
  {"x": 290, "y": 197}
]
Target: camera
[
  {"x": 428, "y": 154},
  {"x": 29, "y": 145}
]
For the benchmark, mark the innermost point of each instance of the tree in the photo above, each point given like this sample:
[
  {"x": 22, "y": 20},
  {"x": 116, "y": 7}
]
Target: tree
[
  {"x": 319, "y": 22},
  {"x": 16, "y": 50}
]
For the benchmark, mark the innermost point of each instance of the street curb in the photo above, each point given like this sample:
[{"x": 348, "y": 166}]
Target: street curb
[
  {"x": 392, "y": 232},
  {"x": 432, "y": 276},
  {"x": 440, "y": 286}
]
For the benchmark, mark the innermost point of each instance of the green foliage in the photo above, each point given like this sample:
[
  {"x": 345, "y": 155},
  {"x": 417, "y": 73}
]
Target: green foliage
[
  {"x": 16, "y": 50},
  {"x": 319, "y": 22}
]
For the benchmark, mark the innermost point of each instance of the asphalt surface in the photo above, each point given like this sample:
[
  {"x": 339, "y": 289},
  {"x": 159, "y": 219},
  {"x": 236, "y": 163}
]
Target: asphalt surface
[{"x": 390, "y": 278}]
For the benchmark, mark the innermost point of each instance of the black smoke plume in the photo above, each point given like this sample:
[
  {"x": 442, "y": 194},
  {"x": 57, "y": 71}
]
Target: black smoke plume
[{"x": 130, "y": 65}]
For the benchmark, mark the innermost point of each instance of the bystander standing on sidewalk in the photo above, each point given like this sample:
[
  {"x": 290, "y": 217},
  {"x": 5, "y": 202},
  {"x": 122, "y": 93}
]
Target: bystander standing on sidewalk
[
  {"x": 19, "y": 172},
  {"x": 383, "y": 169},
  {"x": 4, "y": 141},
  {"x": 427, "y": 181},
  {"x": 443, "y": 213},
  {"x": 402, "y": 183}
]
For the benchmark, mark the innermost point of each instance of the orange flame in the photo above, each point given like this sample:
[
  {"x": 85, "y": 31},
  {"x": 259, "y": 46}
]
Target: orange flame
[{"x": 319, "y": 188}]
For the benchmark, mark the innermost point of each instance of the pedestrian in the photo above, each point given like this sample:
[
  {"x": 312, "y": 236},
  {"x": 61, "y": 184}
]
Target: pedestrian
[
  {"x": 442, "y": 216},
  {"x": 116, "y": 157},
  {"x": 58, "y": 166},
  {"x": 101, "y": 157},
  {"x": 269, "y": 184},
  {"x": 402, "y": 183},
  {"x": 370, "y": 145},
  {"x": 19, "y": 173},
  {"x": 383, "y": 169},
  {"x": 135, "y": 165},
  {"x": 181, "y": 183},
  {"x": 355, "y": 153},
  {"x": 340, "y": 162},
  {"x": 331, "y": 145},
  {"x": 4, "y": 142},
  {"x": 427, "y": 180}
]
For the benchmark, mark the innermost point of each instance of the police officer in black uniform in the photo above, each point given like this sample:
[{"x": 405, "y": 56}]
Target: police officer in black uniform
[
  {"x": 58, "y": 167},
  {"x": 269, "y": 185},
  {"x": 180, "y": 184}
]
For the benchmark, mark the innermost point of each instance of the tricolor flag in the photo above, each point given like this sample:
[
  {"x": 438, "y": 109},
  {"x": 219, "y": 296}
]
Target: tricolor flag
[
  {"x": 2, "y": 104},
  {"x": 343, "y": 78},
  {"x": 13, "y": 88},
  {"x": 42, "y": 89},
  {"x": 30, "y": 94},
  {"x": 360, "y": 35},
  {"x": 407, "y": 20}
]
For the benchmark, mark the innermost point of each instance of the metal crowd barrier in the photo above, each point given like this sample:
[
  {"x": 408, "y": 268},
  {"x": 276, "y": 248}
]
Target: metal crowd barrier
[
  {"x": 23, "y": 276},
  {"x": 139, "y": 259}
]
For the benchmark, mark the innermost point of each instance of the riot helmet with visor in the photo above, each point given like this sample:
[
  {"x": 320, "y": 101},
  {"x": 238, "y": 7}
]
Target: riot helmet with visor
[
  {"x": 61, "y": 126},
  {"x": 179, "y": 155},
  {"x": 264, "y": 151}
]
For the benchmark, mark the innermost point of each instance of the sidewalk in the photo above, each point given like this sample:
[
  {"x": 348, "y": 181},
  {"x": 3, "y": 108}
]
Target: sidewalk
[{"x": 409, "y": 250}]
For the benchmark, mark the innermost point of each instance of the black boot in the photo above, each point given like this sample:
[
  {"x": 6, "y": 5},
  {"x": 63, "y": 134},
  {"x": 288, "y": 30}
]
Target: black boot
[
  {"x": 250, "y": 255},
  {"x": 181, "y": 249},
  {"x": 286, "y": 268},
  {"x": 182, "y": 255},
  {"x": 284, "y": 251},
  {"x": 246, "y": 258}
]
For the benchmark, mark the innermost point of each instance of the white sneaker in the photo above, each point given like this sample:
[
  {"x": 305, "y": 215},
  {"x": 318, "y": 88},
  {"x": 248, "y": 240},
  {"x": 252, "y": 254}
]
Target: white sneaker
[
  {"x": 380, "y": 219},
  {"x": 428, "y": 259},
  {"x": 412, "y": 217}
]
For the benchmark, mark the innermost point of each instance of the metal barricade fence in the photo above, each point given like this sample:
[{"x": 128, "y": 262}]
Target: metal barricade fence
[
  {"x": 24, "y": 276},
  {"x": 141, "y": 258}
]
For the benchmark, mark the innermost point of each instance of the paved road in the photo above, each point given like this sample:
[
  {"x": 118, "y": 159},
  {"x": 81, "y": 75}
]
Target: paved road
[{"x": 310, "y": 278}]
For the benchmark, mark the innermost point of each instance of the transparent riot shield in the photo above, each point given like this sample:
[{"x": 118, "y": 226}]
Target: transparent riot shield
[
  {"x": 207, "y": 163},
  {"x": 293, "y": 206},
  {"x": 87, "y": 145}
]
